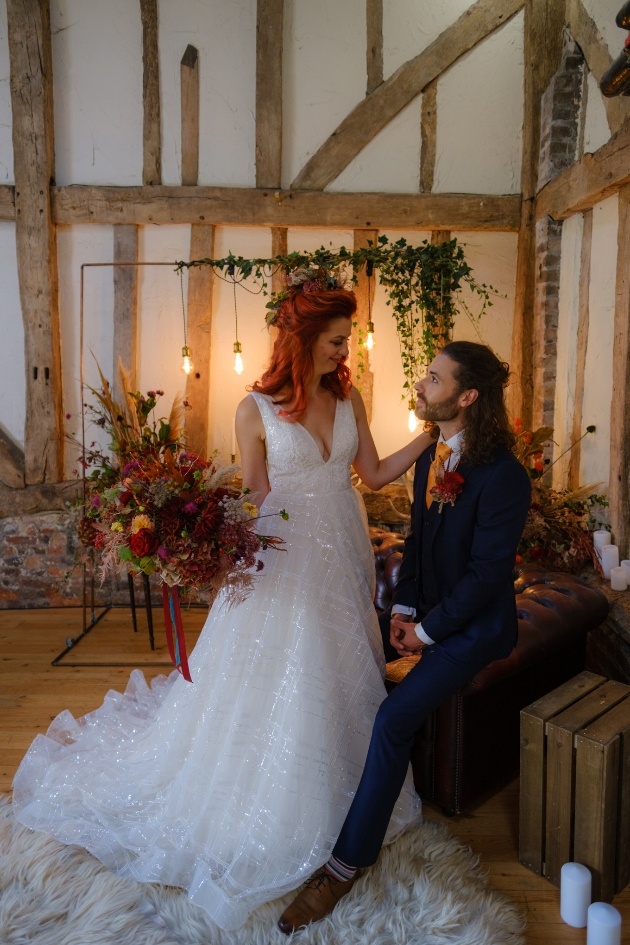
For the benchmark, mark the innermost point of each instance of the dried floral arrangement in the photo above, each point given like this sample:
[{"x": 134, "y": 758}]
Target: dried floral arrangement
[{"x": 557, "y": 533}]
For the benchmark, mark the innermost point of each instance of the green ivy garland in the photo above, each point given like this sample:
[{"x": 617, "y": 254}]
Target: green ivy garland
[{"x": 423, "y": 283}]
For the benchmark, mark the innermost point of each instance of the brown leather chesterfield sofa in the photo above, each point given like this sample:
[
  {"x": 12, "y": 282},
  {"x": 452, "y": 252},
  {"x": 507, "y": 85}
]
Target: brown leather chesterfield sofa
[{"x": 470, "y": 746}]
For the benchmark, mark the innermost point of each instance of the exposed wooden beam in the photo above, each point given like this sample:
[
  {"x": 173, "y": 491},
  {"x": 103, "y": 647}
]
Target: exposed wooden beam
[
  {"x": 242, "y": 207},
  {"x": 33, "y": 149},
  {"x": 573, "y": 476},
  {"x": 279, "y": 247},
  {"x": 269, "y": 48},
  {"x": 374, "y": 55},
  {"x": 428, "y": 136},
  {"x": 388, "y": 99},
  {"x": 442, "y": 333},
  {"x": 48, "y": 497},
  {"x": 543, "y": 30},
  {"x": 125, "y": 307},
  {"x": 199, "y": 336},
  {"x": 151, "y": 131},
  {"x": 598, "y": 59},
  {"x": 11, "y": 462},
  {"x": 189, "y": 82},
  {"x": 7, "y": 203},
  {"x": 360, "y": 356},
  {"x": 619, "y": 486},
  {"x": 593, "y": 178}
]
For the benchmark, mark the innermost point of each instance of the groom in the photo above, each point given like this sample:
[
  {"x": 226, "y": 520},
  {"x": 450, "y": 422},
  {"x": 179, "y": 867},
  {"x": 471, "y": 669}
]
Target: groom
[{"x": 454, "y": 602}]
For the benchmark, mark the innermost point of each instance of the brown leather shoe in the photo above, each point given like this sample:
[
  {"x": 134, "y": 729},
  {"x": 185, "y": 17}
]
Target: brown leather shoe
[{"x": 317, "y": 899}]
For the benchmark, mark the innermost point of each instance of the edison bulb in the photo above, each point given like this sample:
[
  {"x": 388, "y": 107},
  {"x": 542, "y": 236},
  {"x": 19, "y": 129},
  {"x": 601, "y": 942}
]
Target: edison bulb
[
  {"x": 412, "y": 420},
  {"x": 369, "y": 341},
  {"x": 187, "y": 364},
  {"x": 238, "y": 363}
]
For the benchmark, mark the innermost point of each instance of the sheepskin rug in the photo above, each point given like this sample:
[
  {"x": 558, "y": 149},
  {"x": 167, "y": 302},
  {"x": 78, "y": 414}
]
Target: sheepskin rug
[{"x": 426, "y": 889}]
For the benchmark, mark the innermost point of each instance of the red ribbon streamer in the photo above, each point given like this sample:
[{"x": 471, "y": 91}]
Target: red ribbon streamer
[{"x": 175, "y": 641}]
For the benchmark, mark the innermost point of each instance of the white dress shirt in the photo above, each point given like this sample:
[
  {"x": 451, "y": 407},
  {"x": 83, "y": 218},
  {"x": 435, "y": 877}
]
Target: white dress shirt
[{"x": 456, "y": 444}]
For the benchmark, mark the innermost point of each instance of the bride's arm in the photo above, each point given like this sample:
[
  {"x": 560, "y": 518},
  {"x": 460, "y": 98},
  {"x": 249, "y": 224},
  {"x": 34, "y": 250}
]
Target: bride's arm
[
  {"x": 250, "y": 433},
  {"x": 376, "y": 472}
]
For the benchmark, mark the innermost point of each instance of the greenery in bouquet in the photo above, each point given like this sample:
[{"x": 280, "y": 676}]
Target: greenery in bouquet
[
  {"x": 557, "y": 533},
  {"x": 152, "y": 506}
]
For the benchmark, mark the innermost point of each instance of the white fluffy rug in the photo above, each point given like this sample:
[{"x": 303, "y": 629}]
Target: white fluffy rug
[{"x": 426, "y": 889}]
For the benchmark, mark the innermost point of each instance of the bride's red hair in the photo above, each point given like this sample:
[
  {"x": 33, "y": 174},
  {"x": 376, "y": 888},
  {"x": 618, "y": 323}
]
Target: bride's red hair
[{"x": 302, "y": 318}]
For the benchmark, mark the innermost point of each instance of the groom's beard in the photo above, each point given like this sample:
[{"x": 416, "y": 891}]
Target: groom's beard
[{"x": 442, "y": 410}]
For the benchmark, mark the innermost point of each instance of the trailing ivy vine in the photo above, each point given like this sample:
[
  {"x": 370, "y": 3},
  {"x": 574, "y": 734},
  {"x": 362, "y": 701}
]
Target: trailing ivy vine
[{"x": 424, "y": 286}]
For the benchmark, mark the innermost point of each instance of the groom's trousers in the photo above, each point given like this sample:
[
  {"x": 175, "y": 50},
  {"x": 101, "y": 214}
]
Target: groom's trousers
[{"x": 433, "y": 680}]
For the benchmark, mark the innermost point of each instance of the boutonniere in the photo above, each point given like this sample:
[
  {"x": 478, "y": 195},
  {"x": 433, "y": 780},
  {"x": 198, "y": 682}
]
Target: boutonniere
[{"x": 447, "y": 488}]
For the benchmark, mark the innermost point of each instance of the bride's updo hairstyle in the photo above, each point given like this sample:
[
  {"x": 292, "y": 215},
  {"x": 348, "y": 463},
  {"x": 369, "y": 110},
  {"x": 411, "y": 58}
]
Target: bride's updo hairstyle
[{"x": 302, "y": 316}]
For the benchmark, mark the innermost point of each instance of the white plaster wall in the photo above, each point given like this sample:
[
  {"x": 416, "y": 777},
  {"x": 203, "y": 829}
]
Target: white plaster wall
[
  {"x": 603, "y": 12},
  {"x": 390, "y": 163},
  {"x": 324, "y": 74},
  {"x": 12, "y": 377},
  {"x": 595, "y": 453},
  {"x": 492, "y": 257},
  {"x": 224, "y": 33},
  {"x": 596, "y": 130},
  {"x": 97, "y": 74},
  {"x": 480, "y": 117},
  {"x": 409, "y": 26},
  {"x": 568, "y": 313},
  {"x": 6, "y": 144},
  {"x": 77, "y": 247}
]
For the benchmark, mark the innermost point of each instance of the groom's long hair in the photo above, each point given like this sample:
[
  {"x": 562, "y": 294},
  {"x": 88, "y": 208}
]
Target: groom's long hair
[{"x": 487, "y": 425}]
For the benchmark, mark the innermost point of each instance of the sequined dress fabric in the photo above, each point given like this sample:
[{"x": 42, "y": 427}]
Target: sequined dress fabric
[{"x": 235, "y": 787}]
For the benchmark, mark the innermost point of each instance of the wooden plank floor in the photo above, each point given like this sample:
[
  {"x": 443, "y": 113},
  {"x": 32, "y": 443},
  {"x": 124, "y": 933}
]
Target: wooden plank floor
[{"x": 32, "y": 692}]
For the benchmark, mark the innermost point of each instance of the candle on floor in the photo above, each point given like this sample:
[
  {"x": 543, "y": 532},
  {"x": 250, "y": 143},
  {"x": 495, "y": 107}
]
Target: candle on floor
[
  {"x": 626, "y": 566},
  {"x": 575, "y": 894},
  {"x": 609, "y": 559},
  {"x": 603, "y": 925},
  {"x": 618, "y": 579},
  {"x": 601, "y": 537}
]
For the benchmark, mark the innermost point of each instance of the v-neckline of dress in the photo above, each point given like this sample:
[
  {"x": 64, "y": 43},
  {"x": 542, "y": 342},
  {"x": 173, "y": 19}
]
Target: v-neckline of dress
[{"x": 314, "y": 441}]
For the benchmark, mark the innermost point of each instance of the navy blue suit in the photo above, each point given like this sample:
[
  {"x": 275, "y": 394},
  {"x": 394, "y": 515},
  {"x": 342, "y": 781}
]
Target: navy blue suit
[{"x": 457, "y": 571}]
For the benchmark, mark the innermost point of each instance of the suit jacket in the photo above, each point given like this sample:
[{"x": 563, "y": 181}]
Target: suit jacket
[{"x": 458, "y": 564}]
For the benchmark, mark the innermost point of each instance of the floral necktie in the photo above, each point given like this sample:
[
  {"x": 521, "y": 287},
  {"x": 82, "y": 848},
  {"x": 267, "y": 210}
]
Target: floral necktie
[{"x": 436, "y": 470}]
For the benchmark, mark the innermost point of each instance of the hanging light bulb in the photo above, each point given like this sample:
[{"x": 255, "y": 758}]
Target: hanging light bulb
[
  {"x": 369, "y": 341},
  {"x": 238, "y": 360},
  {"x": 412, "y": 420},
  {"x": 187, "y": 364}
]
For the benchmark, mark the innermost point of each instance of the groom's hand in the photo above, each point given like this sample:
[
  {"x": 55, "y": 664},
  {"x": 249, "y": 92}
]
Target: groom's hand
[{"x": 403, "y": 636}]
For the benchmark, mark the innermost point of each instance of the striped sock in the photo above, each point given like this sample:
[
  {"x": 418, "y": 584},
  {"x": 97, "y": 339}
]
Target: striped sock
[{"x": 339, "y": 870}]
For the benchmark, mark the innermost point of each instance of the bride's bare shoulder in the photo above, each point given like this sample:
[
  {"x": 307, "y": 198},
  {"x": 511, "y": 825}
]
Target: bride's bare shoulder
[{"x": 248, "y": 414}]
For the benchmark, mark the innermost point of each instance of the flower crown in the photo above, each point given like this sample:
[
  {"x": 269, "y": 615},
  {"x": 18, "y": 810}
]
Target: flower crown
[{"x": 311, "y": 279}]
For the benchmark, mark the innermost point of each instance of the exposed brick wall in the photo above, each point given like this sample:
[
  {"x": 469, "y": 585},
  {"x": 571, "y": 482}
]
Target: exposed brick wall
[
  {"x": 560, "y": 128},
  {"x": 38, "y": 564}
]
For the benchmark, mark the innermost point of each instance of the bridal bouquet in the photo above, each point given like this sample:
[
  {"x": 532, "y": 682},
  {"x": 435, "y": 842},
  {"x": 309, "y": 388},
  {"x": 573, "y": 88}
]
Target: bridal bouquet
[{"x": 173, "y": 514}]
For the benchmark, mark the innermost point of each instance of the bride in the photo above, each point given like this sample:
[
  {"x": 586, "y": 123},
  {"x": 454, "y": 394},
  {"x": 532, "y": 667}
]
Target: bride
[{"x": 236, "y": 787}]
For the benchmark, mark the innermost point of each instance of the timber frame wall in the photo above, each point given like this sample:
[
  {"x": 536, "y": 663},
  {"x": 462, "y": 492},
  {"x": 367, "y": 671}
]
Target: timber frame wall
[{"x": 30, "y": 480}]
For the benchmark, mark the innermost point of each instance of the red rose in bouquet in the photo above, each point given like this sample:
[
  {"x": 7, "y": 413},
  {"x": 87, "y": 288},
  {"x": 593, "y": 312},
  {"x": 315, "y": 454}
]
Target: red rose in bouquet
[{"x": 143, "y": 543}]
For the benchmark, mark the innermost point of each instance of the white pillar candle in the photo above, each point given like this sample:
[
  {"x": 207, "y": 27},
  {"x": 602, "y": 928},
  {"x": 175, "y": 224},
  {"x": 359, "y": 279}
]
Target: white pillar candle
[
  {"x": 603, "y": 925},
  {"x": 601, "y": 537},
  {"x": 575, "y": 894},
  {"x": 626, "y": 566},
  {"x": 618, "y": 579},
  {"x": 609, "y": 559},
  {"x": 233, "y": 449}
]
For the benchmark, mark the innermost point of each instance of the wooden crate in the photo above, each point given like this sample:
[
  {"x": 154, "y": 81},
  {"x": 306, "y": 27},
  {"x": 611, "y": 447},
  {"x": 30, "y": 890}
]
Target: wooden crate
[
  {"x": 549, "y": 730},
  {"x": 602, "y": 801}
]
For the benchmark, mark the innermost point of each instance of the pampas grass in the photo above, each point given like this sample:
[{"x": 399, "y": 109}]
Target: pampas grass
[{"x": 426, "y": 889}]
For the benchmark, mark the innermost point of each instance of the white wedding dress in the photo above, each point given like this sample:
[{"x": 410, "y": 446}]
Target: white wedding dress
[{"x": 235, "y": 787}]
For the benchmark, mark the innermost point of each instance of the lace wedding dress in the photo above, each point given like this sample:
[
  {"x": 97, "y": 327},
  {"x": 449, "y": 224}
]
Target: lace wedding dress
[{"x": 235, "y": 787}]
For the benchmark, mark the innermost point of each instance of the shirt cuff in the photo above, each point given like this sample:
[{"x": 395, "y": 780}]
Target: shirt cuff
[
  {"x": 424, "y": 637},
  {"x": 403, "y": 609}
]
